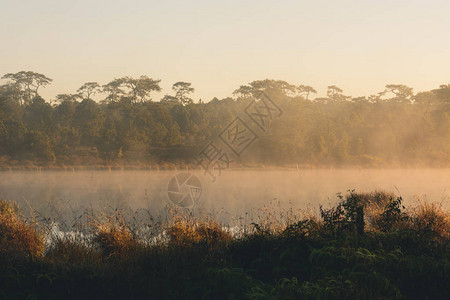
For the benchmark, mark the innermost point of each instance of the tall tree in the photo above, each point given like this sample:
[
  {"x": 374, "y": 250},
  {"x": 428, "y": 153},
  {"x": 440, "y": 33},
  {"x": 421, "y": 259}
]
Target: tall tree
[
  {"x": 113, "y": 90},
  {"x": 274, "y": 87},
  {"x": 182, "y": 90},
  {"x": 139, "y": 89},
  {"x": 88, "y": 89},
  {"x": 306, "y": 90},
  {"x": 27, "y": 82},
  {"x": 335, "y": 93},
  {"x": 333, "y": 90},
  {"x": 402, "y": 93}
]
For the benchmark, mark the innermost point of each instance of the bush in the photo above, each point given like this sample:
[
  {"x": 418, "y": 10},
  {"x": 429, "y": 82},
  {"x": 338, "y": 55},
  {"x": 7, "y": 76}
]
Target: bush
[
  {"x": 17, "y": 237},
  {"x": 392, "y": 217},
  {"x": 399, "y": 255},
  {"x": 113, "y": 237},
  {"x": 432, "y": 218},
  {"x": 187, "y": 231}
]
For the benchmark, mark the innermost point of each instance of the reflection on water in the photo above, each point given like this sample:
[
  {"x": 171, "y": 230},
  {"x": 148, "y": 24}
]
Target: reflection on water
[{"x": 234, "y": 192}]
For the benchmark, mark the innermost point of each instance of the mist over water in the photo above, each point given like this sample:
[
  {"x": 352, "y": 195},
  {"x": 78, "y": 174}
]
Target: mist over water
[{"x": 234, "y": 192}]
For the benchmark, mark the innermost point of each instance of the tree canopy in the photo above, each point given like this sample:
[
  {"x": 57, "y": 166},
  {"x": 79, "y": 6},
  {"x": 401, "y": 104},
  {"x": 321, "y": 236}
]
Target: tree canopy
[{"x": 393, "y": 127}]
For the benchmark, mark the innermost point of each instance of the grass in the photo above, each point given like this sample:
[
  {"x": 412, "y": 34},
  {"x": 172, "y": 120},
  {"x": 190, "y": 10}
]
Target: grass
[
  {"x": 366, "y": 247},
  {"x": 18, "y": 237}
]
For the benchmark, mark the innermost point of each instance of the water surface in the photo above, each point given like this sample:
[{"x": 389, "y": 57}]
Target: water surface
[{"x": 234, "y": 192}]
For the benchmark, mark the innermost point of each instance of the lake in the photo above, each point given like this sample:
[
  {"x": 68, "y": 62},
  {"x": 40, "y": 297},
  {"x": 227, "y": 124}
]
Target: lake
[{"x": 233, "y": 193}]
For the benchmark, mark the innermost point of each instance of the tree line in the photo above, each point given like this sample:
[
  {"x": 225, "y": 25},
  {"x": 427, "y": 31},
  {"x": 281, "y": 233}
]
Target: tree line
[{"x": 395, "y": 127}]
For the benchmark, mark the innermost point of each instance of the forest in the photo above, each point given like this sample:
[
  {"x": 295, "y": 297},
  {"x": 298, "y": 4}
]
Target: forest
[{"x": 124, "y": 126}]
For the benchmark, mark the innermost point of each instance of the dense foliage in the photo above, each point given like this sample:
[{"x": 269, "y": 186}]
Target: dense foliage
[
  {"x": 394, "y": 127},
  {"x": 368, "y": 247}
]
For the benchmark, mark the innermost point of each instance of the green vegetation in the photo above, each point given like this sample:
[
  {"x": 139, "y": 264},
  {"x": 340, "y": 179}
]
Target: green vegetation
[
  {"x": 393, "y": 128},
  {"x": 367, "y": 247}
]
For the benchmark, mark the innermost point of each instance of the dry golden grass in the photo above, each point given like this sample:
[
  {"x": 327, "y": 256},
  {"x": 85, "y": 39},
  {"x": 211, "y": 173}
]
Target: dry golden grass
[
  {"x": 17, "y": 237},
  {"x": 432, "y": 217},
  {"x": 374, "y": 205},
  {"x": 112, "y": 236},
  {"x": 186, "y": 229},
  {"x": 271, "y": 219}
]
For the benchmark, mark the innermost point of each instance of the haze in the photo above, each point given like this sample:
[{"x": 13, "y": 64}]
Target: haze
[
  {"x": 63, "y": 193},
  {"x": 219, "y": 45}
]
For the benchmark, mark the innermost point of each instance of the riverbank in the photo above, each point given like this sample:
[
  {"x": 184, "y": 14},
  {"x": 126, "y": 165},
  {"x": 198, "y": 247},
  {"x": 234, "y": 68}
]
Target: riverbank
[{"x": 368, "y": 246}]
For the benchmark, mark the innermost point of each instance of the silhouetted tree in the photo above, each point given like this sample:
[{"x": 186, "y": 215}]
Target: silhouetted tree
[
  {"x": 27, "y": 83},
  {"x": 113, "y": 90},
  {"x": 401, "y": 92},
  {"x": 306, "y": 90},
  {"x": 139, "y": 89},
  {"x": 182, "y": 90},
  {"x": 88, "y": 89}
]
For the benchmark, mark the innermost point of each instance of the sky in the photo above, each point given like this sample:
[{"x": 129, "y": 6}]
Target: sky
[{"x": 218, "y": 45}]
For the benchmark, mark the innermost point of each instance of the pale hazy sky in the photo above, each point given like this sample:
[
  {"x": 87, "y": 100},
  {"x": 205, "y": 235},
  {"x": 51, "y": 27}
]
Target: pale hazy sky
[{"x": 218, "y": 45}]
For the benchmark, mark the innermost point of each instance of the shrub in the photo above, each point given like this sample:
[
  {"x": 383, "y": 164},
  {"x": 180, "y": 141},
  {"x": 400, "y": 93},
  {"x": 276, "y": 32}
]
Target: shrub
[
  {"x": 348, "y": 215},
  {"x": 186, "y": 231},
  {"x": 374, "y": 204},
  {"x": 17, "y": 237},
  {"x": 381, "y": 211},
  {"x": 432, "y": 218},
  {"x": 393, "y": 217},
  {"x": 113, "y": 237}
]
